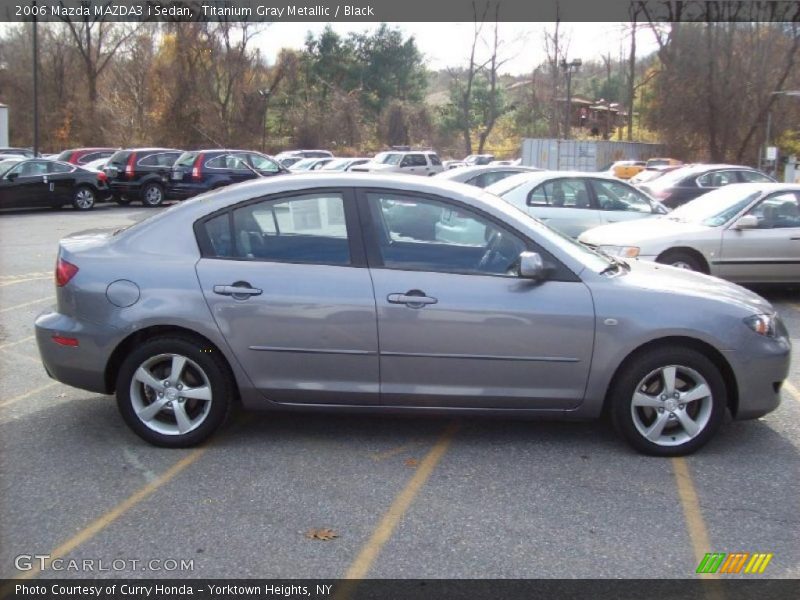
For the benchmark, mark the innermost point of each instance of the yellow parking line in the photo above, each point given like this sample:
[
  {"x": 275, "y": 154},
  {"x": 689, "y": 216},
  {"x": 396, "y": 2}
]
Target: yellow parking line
[
  {"x": 16, "y": 399},
  {"x": 9, "y": 344},
  {"x": 691, "y": 512},
  {"x": 793, "y": 391},
  {"x": 379, "y": 456},
  {"x": 108, "y": 518},
  {"x": 24, "y": 304},
  {"x": 369, "y": 552}
]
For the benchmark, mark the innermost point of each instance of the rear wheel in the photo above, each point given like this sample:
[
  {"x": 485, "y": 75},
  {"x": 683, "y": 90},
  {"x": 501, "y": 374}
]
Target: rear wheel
[
  {"x": 173, "y": 392},
  {"x": 669, "y": 401},
  {"x": 83, "y": 198},
  {"x": 683, "y": 260},
  {"x": 152, "y": 194}
]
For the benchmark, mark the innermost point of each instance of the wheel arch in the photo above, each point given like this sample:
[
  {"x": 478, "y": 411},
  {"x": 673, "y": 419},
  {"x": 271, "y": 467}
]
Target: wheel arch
[
  {"x": 694, "y": 252},
  {"x": 714, "y": 355}
]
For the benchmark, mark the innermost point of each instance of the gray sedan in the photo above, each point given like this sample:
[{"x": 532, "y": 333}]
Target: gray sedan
[
  {"x": 484, "y": 175},
  {"x": 310, "y": 293},
  {"x": 573, "y": 202},
  {"x": 745, "y": 232}
]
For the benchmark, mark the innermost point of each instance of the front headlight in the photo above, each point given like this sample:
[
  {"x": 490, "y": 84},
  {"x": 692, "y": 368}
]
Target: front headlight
[
  {"x": 766, "y": 325},
  {"x": 620, "y": 251}
]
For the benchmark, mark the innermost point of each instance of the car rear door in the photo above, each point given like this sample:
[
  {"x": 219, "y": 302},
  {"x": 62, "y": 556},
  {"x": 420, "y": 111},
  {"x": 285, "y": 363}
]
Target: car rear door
[
  {"x": 771, "y": 252},
  {"x": 286, "y": 280},
  {"x": 457, "y": 327}
]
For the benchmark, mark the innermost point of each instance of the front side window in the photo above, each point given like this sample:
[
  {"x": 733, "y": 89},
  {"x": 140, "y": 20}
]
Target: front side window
[
  {"x": 423, "y": 234},
  {"x": 31, "y": 168},
  {"x": 302, "y": 229},
  {"x": 778, "y": 212},
  {"x": 613, "y": 195},
  {"x": 561, "y": 193},
  {"x": 263, "y": 164}
]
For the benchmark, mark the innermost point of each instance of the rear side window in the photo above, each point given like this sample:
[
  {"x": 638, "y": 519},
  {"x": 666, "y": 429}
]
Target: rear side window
[
  {"x": 561, "y": 193},
  {"x": 159, "y": 159},
  {"x": 754, "y": 176},
  {"x": 308, "y": 229},
  {"x": 435, "y": 160},
  {"x": 55, "y": 167},
  {"x": 716, "y": 179}
]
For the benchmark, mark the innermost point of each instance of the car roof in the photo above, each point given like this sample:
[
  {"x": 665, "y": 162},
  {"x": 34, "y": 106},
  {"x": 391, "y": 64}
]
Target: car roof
[{"x": 150, "y": 150}]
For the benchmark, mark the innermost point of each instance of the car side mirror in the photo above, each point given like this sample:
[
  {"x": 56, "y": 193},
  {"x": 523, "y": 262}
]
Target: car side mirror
[
  {"x": 746, "y": 222},
  {"x": 531, "y": 266}
]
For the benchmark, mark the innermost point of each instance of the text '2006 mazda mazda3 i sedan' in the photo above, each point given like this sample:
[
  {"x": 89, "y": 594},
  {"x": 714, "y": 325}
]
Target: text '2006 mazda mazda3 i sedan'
[{"x": 397, "y": 294}]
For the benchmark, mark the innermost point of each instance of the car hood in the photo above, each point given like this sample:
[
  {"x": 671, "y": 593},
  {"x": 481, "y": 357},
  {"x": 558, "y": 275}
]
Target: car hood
[
  {"x": 665, "y": 279},
  {"x": 630, "y": 233}
]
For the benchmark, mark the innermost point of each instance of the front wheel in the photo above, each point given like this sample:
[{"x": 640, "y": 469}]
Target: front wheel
[
  {"x": 682, "y": 260},
  {"x": 174, "y": 391},
  {"x": 84, "y": 198},
  {"x": 152, "y": 195},
  {"x": 668, "y": 401}
]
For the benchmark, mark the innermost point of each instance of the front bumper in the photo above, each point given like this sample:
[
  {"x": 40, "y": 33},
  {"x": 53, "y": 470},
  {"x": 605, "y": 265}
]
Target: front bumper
[
  {"x": 760, "y": 372},
  {"x": 83, "y": 366}
]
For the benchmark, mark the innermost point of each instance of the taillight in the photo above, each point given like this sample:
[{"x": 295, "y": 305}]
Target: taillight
[
  {"x": 73, "y": 158},
  {"x": 64, "y": 272},
  {"x": 102, "y": 177},
  {"x": 197, "y": 166},
  {"x": 129, "y": 168},
  {"x": 65, "y": 341}
]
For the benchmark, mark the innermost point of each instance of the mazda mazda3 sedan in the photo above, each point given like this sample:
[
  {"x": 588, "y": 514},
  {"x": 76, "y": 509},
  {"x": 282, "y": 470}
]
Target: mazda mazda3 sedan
[{"x": 320, "y": 292}]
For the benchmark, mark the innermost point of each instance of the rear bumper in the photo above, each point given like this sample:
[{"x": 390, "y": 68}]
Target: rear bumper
[
  {"x": 760, "y": 373},
  {"x": 82, "y": 366}
]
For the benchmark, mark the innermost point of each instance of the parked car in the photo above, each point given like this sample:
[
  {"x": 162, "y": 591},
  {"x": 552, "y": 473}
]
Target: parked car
[
  {"x": 453, "y": 164},
  {"x": 289, "y": 158},
  {"x": 24, "y": 152},
  {"x": 343, "y": 164},
  {"x": 505, "y": 163},
  {"x": 478, "y": 159},
  {"x": 309, "y": 164},
  {"x": 483, "y": 176},
  {"x": 747, "y": 233},
  {"x": 409, "y": 162},
  {"x": 650, "y": 173},
  {"x": 140, "y": 174},
  {"x": 34, "y": 182},
  {"x": 624, "y": 169},
  {"x": 278, "y": 294},
  {"x": 95, "y": 165},
  {"x": 199, "y": 171},
  {"x": 662, "y": 162},
  {"x": 687, "y": 183},
  {"x": 81, "y": 156},
  {"x": 573, "y": 202}
]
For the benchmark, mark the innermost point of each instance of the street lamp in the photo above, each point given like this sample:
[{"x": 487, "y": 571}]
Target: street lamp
[
  {"x": 769, "y": 120},
  {"x": 569, "y": 68},
  {"x": 265, "y": 95}
]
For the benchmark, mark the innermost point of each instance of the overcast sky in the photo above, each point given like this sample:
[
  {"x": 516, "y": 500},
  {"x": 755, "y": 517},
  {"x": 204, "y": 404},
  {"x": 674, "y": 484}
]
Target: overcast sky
[{"x": 448, "y": 44}]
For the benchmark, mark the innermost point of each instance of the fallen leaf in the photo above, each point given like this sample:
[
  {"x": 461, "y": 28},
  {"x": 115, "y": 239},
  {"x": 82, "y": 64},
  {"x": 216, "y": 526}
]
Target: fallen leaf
[
  {"x": 325, "y": 534},
  {"x": 411, "y": 462}
]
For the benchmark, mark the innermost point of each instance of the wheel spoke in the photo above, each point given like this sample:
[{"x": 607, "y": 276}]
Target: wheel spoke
[
  {"x": 151, "y": 410},
  {"x": 668, "y": 376},
  {"x": 197, "y": 393},
  {"x": 183, "y": 420},
  {"x": 698, "y": 392},
  {"x": 654, "y": 431},
  {"x": 178, "y": 363},
  {"x": 144, "y": 376},
  {"x": 644, "y": 400},
  {"x": 689, "y": 426}
]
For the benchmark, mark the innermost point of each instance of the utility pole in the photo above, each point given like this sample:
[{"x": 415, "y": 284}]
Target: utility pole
[
  {"x": 569, "y": 68},
  {"x": 265, "y": 95},
  {"x": 35, "y": 86}
]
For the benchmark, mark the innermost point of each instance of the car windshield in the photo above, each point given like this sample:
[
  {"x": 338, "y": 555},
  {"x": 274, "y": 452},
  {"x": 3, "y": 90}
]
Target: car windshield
[
  {"x": 388, "y": 158},
  {"x": 715, "y": 208},
  {"x": 6, "y": 165}
]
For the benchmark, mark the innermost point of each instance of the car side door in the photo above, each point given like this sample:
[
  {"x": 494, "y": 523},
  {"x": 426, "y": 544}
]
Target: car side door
[
  {"x": 769, "y": 253},
  {"x": 26, "y": 185},
  {"x": 620, "y": 201},
  {"x": 61, "y": 182},
  {"x": 414, "y": 163},
  {"x": 286, "y": 281},
  {"x": 457, "y": 327},
  {"x": 565, "y": 204}
]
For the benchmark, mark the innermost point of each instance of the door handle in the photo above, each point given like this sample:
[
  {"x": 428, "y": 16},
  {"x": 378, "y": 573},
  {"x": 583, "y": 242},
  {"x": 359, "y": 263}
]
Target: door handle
[
  {"x": 239, "y": 292},
  {"x": 412, "y": 299}
]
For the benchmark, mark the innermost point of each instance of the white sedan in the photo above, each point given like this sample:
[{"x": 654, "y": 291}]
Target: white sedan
[{"x": 747, "y": 233}]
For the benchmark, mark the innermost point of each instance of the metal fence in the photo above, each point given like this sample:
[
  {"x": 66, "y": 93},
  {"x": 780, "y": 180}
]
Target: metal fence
[{"x": 583, "y": 155}]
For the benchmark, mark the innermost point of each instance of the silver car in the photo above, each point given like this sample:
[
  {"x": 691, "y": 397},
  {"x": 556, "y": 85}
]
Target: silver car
[
  {"x": 573, "y": 202},
  {"x": 319, "y": 292},
  {"x": 745, "y": 232},
  {"x": 484, "y": 175}
]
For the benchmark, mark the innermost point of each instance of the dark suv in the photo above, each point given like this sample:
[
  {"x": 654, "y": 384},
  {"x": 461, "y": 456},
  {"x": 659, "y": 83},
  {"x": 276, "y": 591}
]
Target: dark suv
[
  {"x": 203, "y": 170},
  {"x": 140, "y": 174}
]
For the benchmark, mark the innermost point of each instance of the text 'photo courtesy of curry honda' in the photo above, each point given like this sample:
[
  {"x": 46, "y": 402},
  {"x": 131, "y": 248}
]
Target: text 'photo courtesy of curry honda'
[{"x": 399, "y": 294}]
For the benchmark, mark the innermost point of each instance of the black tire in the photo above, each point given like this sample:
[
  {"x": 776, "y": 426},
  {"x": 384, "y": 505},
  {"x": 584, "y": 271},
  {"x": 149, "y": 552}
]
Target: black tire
[
  {"x": 84, "y": 198},
  {"x": 213, "y": 367},
  {"x": 683, "y": 260},
  {"x": 628, "y": 420},
  {"x": 122, "y": 200},
  {"x": 152, "y": 194}
]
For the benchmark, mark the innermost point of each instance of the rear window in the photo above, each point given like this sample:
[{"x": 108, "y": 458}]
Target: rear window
[
  {"x": 65, "y": 155},
  {"x": 119, "y": 158},
  {"x": 186, "y": 159}
]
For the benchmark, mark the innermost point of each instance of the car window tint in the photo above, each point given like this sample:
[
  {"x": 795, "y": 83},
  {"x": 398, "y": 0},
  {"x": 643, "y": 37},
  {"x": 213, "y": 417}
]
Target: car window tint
[
  {"x": 561, "y": 193},
  {"x": 424, "y": 234},
  {"x": 55, "y": 167},
  {"x": 612, "y": 195},
  {"x": 262, "y": 163},
  {"x": 302, "y": 229},
  {"x": 778, "y": 212},
  {"x": 151, "y": 160},
  {"x": 754, "y": 177},
  {"x": 219, "y": 234},
  {"x": 218, "y": 162}
]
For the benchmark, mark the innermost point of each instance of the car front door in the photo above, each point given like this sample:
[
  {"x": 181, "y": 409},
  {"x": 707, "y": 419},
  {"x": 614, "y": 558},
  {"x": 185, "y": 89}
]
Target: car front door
[
  {"x": 564, "y": 204},
  {"x": 620, "y": 202},
  {"x": 414, "y": 164},
  {"x": 770, "y": 252},
  {"x": 24, "y": 185},
  {"x": 286, "y": 281},
  {"x": 457, "y": 326}
]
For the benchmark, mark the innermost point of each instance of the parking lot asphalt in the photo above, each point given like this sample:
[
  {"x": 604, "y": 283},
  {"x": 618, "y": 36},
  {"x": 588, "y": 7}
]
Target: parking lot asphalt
[{"x": 406, "y": 496}]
